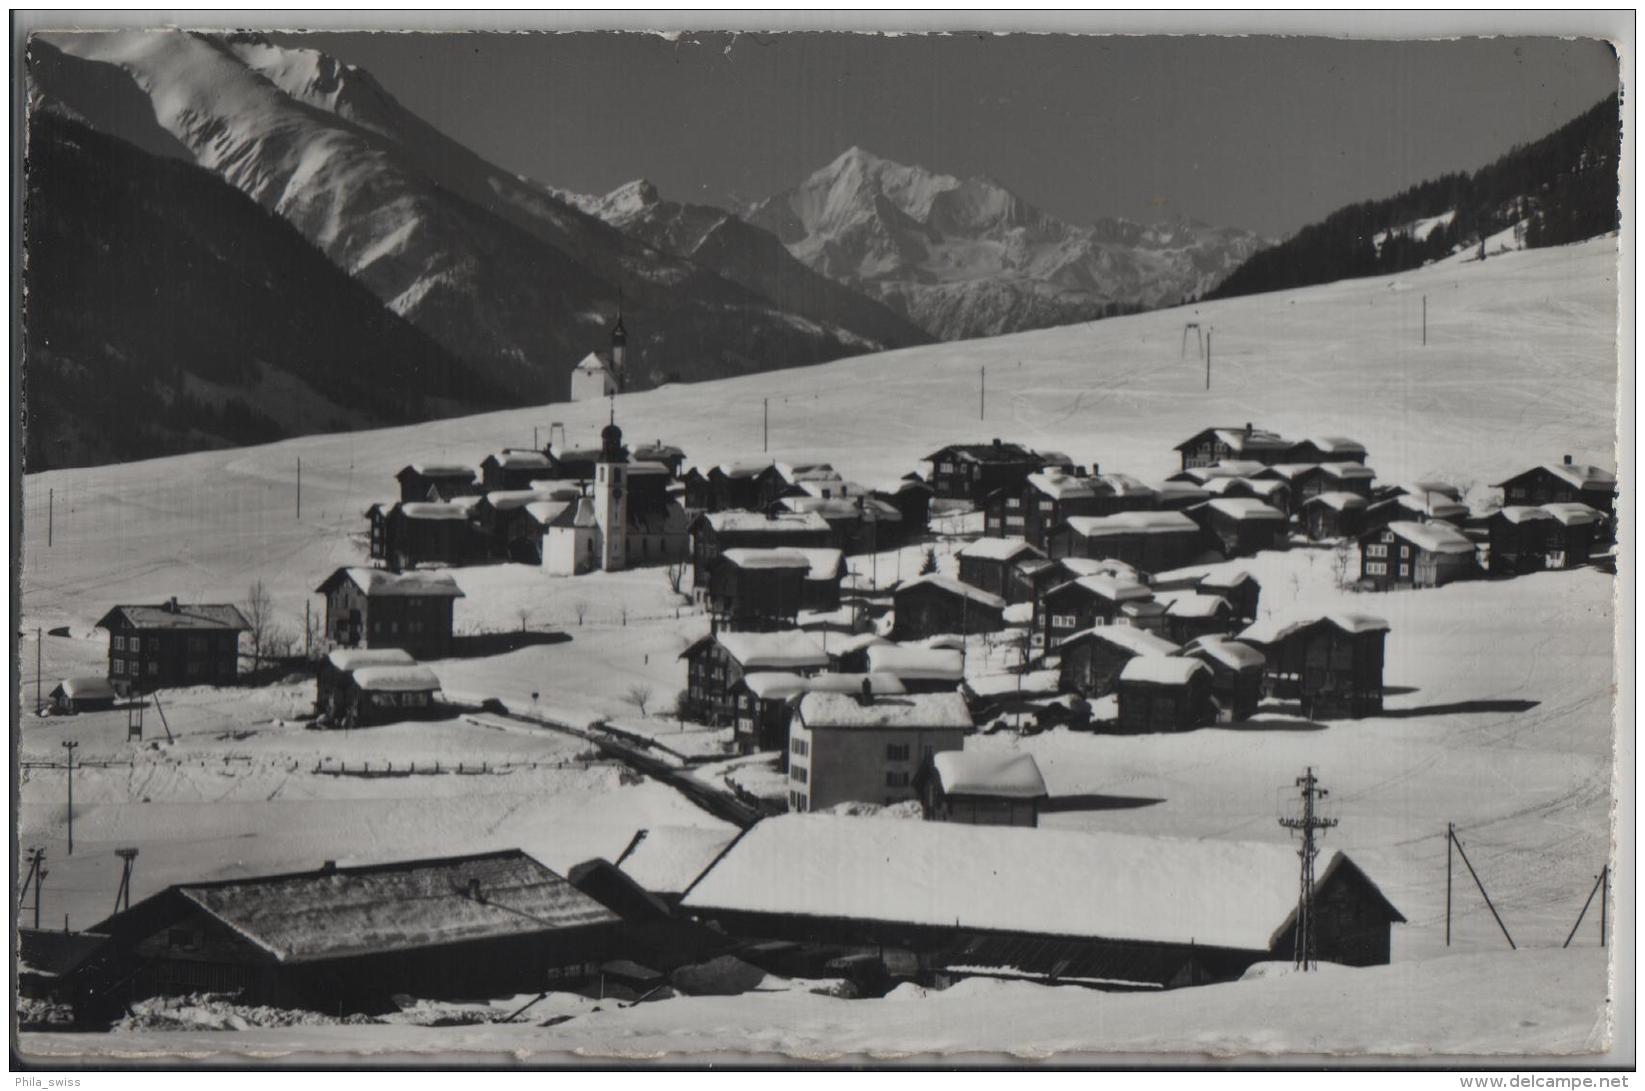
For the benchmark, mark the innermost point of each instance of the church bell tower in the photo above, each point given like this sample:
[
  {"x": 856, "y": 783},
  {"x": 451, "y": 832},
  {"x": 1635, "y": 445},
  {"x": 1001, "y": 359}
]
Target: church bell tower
[
  {"x": 611, "y": 496},
  {"x": 619, "y": 351}
]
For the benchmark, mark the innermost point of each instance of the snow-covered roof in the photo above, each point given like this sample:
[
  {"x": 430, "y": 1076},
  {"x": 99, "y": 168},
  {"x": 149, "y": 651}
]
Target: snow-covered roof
[
  {"x": 553, "y": 488},
  {"x": 1232, "y": 467},
  {"x": 1008, "y": 685},
  {"x": 774, "y": 685},
  {"x": 1338, "y": 501},
  {"x": 1347, "y": 471},
  {"x": 514, "y": 499},
  {"x": 1018, "y": 613},
  {"x": 791, "y": 649},
  {"x": 345, "y": 912},
  {"x": 1161, "y": 670},
  {"x": 919, "y": 664},
  {"x": 412, "y": 679},
  {"x": 1061, "y": 486},
  {"x": 830, "y": 487},
  {"x": 1519, "y": 513},
  {"x": 1032, "y": 880},
  {"x": 545, "y": 512},
  {"x": 1132, "y": 522},
  {"x": 998, "y": 549},
  {"x": 1179, "y": 491},
  {"x": 955, "y": 587},
  {"x": 1226, "y": 580},
  {"x": 347, "y": 659},
  {"x": 1337, "y": 445},
  {"x": 1230, "y": 653},
  {"x": 1577, "y": 475},
  {"x": 1112, "y": 588},
  {"x": 1270, "y": 630},
  {"x": 436, "y": 511},
  {"x": 1193, "y": 604},
  {"x": 1288, "y": 471},
  {"x": 980, "y": 773},
  {"x": 736, "y": 521},
  {"x": 1245, "y": 509},
  {"x": 1433, "y": 537},
  {"x": 203, "y": 616},
  {"x": 511, "y": 459},
  {"x": 440, "y": 469},
  {"x": 905, "y": 711},
  {"x": 87, "y": 688},
  {"x": 1572, "y": 514},
  {"x": 766, "y": 558},
  {"x": 851, "y": 682},
  {"x": 1435, "y": 505},
  {"x": 744, "y": 467},
  {"x": 1252, "y": 439},
  {"x": 378, "y": 582},
  {"x": 594, "y": 361},
  {"x": 1129, "y": 637},
  {"x": 826, "y": 564},
  {"x": 856, "y": 643},
  {"x": 1108, "y": 566},
  {"x": 668, "y": 859},
  {"x": 1123, "y": 485}
]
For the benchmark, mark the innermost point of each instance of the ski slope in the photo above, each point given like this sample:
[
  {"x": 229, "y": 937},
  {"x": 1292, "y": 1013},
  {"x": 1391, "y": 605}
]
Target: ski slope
[{"x": 1499, "y": 711}]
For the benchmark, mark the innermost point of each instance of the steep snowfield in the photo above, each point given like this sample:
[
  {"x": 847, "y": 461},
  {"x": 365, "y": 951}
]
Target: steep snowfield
[
  {"x": 1499, "y": 714},
  {"x": 969, "y": 258}
]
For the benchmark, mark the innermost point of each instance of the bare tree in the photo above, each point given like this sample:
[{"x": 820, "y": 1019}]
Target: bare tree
[
  {"x": 580, "y": 608},
  {"x": 314, "y": 635},
  {"x": 524, "y": 614},
  {"x": 638, "y": 696},
  {"x": 676, "y": 576},
  {"x": 1340, "y": 558},
  {"x": 258, "y": 609}
]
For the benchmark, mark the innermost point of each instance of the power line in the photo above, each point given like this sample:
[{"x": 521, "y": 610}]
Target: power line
[{"x": 1306, "y": 823}]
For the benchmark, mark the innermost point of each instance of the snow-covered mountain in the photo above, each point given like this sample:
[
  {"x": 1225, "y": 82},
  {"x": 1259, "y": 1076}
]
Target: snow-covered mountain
[
  {"x": 746, "y": 255},
  {"x": 490, "y": 265},
  {"x": 969, "y": 258}
]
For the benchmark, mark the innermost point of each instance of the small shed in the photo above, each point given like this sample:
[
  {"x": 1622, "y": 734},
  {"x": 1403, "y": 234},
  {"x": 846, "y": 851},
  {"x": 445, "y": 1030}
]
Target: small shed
[
  {"x": 83, "y": 694},
  {"x": 1572, "y": 542},
  {"x": 1237, "y": 586},
  {"x": 935, "y": 604},
  {"x": 1092, "y": 659},
  {"x": 1236, "y": 675},
  {"x": 1158, "y": 693},
  {"x": 418, "y": 480},
  {"x": 982, "y": 788},
  {"x": 1242, "y": 526},
  {"x": 1521, "y": 538},
  {"x": 334, "y": 678},
  {"x": 1331, "y": 664},
  {"x": 386, "y": 694},
  {"x": 1191, "y": 614}
]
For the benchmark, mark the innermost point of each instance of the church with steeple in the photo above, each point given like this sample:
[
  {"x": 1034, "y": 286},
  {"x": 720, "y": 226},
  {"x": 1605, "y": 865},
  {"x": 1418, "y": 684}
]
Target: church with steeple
[{"x": 603, "y": 373}]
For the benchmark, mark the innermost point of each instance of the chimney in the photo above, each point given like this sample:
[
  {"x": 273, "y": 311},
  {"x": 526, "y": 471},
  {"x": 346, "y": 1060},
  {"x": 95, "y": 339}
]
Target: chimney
[
  {"x": 866, "y": 696},
  {"x": 171, "y": 603},
  {"x": 996, "y": 441},
  {"x": 1567, "y": 460},
  {"x": 1096, "y": 470},
  {"x": 1247, "y": 429},
  {"x": 328, "y": 867},
  {"x": 473, "y": 892}
]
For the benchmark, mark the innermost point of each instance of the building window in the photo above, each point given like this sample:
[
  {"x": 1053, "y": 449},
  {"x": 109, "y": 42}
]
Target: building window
[
  {"x": 1048, "y": 506},
  {"x": 1376, "y": 551},
  {"x": 1404, "y": 570},
  {"x": 119, "y": 643},
  {"x": 180, "y": 938},
  {"x": 1013, "y": 502},
  {"x": 800, "y": 747},
  {"x": 896, "y": 752},
  {"x": 896, "y": 778},
  {"x": 1376, "y": 568},
  {"x": 117, "y": 666},
  {"x": 1063, "y": 621},
  {"x": 1404, "y": 551},
  {"x": 799, "y": 774}
]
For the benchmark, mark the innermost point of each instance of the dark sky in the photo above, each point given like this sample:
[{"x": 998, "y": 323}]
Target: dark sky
[{"x": 1265, "y": 133}]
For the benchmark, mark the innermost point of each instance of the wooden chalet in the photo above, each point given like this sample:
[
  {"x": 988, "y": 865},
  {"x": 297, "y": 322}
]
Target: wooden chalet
[
  {"x": 1030, "y": 577},
  {"x": 933, "y": 605},
  {"x": 82, "y": 694},
  {"x": 981, "y": 789},
  {"x": 1249, "y": 443},
  {"x": 1163, "y": 693},
  {"x": 856, "y": 524},
  {"x": 1242, "y": 527},
  {"x": 1237, "y": 586},
  {"x": 1404, "y": 554},
  {"x": 970, "y": 471},
  {"x": 371, "y": 608},
  {"x": 1031, "y": 509},
  {"x": 765, "y": 702},
  {"x": 1093, "y": 658},
  {"x": 1520, "y": 539},
  {"x": 173, "y": 645},
  {"x": 1150, "y": 541},
  {"x": 1571, "y": 543},
  {"x": 1236, "y": 675},
  {"x": 1413, "y": 507},
  {"x": 732, "y": 486},
  {"x": 1192, "y": 614},
  {"x": 757, "y": 589},
  {"x": 865, "y": 747},
  {"x": 1331, "y": 515},
  {"x": 1178, "y": 496},
  {"x": 1332, "y": 664},
  {"x": 717, "y": 662},
  {"x": 714, "y": 532},
  {"x": 349, "y": 939},
  {"x": 1318, "y": 449},
  {"x": 1079, "y": 604},
  {"x": 988, "y": 563},
  {"x": 1273, "y": 492},
  {"x": 952, "y": 900},
  {"x": 430, "y": 533},
  {"x": 511, "y": 469},
  {"x": 1332, "y": 477},
  {"x": 912, "y": 499},
  {"x": 918, "y": 669},
  {"x": 332, "y": 680},
  {"x": 420, "y": 480},
  {"x": 1565, "y": 482},
  {"x": 821, "y": 589},
  {"x": 665, "y": 454}
]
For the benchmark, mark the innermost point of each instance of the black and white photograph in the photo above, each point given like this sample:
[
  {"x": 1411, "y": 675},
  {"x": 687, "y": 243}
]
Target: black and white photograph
[{"x": 794, "y": 541}]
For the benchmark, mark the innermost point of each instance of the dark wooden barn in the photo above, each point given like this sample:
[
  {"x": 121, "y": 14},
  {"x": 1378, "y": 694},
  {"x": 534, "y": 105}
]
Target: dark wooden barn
[
  {"x": 433, "y": 533},
  {"x": 1092, "y": 659},
  {"x": 1160, "y": 693},
  {"x": 1081, "y": 603},
  {"x": 173, "y": 645},
  {"x": 1571, "y": 543},
  {"x": 1150, "y": 541},
  {"x": 1317, "y": 449},
  {"x": 1404, "y": 554},
  {"x": 981, "y": 789},
  {"x": 371, "y": 608},
  {"x": 1192, "y": 614},
  {"x": 511, "y": 469},
  {"x": 912, "y": 499},
  {"x": 1236, "y": 675},
  {"x": 351, "y": 938},
  {"x": 987, "y": 563},
  {"x": 717, "y": 662},
  {"x": 1414, "y": 507},
  {"x": 1332, "y": 665},
  {"x": 1040, "y": 503},
  {"x": 970, "y": 471},
  {"x": 949, "y": 900},
  {"x": 934, "y": 605},
  {"x": 757, "y": 589},
  {"x": 714, "y": 532},
  {"x": 1333, "y": 477},
  {"x": 1330, "y": 515},
  {"x": 1249, "y": 443},
  {"x": 1237, "y": 586},
  {"x": 1521, "y": 538},
  {"x": 82, "y": 694},
  {"x": 1242, "y": 527},
  {"x": 418, "y": 480}
]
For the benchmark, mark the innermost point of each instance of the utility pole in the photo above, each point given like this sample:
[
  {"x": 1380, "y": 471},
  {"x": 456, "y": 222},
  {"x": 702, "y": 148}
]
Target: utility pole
[
  {"x": 124, "y": 893},
  {"x": 1424, "y": 320},
  {"x": 36, "y": 875},
  {"x": 308, "y": 631},
  {"x": 70, "y": 745},
  {"x": 982, "y": 393},
  {"x": 39, "y": 684},
  {"x": 534, "y": 437},
  {"x": 765, "y": 427},
  {"x": 1306, "y": 823},
  {"x": 51, "y": 505},
  {"x": 299, "y": 490},
  {"x": 1449, "y": 852},
  {"x": 1208, "y": 359}
]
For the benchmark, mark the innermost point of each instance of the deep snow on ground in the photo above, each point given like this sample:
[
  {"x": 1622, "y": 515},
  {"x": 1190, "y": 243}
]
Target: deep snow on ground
[{"x": 1499, "y": 708}]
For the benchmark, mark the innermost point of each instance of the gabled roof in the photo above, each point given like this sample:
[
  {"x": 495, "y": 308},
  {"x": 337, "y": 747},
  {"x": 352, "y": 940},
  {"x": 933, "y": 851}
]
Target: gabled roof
[
  {"x": 48, "y": 952},
  {"x": 1027, "y": 684},
  {"x": 985, "y": 452},
  {"x": 1336, "y": 445},
  {"x": 742, "y": 467},
  {"x": 347, "y": 659},
  {"x": 790, "y": 649},
  {"x": 396, "y": 679},
  {"x": 599, "y": 360},
  {"x": 1245, "y": 509},
  {"x": 204, "y": 617},
  {"x": 919, "y": 664},
  {"x": 979, "y": 773},
  {"x": 1519, "y": 513},
  {"x": 1272, "y": 630},
  {"x": 1573, "y": 514},
  {"x": 1226, "y": 580},
  {"x": 447, "y": 511},
  {"x": 780, "y": 685},
  {"x": 380, "y": 583},
  {"x": 349, "y": 912},
  {"x": 437, "y": 469},
  {"x": 1061, "y": 486},
  {"x": 1577, "y": 475},
  {"x": 668, "y": 859},
  {"x": 1161, "y": 670},
  {"x": 1239, "y": 439},
  {"x": 749, "y": 559},
  {"x": 1126, "y": 637},
  {"x": 1432, "y": 537},
  {"x": 735, "y": 520},
  {"x": 1122, "y": 485},
  {"x": 1025, "y": 880},
  {"x": 1434, "y": 505},
  {"x": 87, "y": 688},
  {"x": 826, "y": 564},
  {"x": 955, "y": 587},
  {"x": 1338, "y": 501},
  {"x": 1111, "y": 588},
  {"x": 1229, "y": 653},
  {"x": 1286, "y": 471},
  {"x": 1108, "y": 566},
  {"x": 1346, "y": 471},
  {"x": 511, "y": 459},
  {"x": 1131, "y": 522},
  {"x": 1193, "y": 604},
  {"x": 906, "y": 711},
  {"x": 999, "y": 549}
]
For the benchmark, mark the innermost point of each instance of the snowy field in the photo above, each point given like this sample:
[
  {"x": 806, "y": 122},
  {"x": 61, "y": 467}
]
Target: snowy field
[{"x": 1499, "y": 709}]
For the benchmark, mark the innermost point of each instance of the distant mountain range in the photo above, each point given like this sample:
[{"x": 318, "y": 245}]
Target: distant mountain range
[
  {"x": 1559, "y": 189},
  {"x": 969, "y": 258}
]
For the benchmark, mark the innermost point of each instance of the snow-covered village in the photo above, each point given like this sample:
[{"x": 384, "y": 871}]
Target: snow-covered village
[{"x": 1216, "y": 673}]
